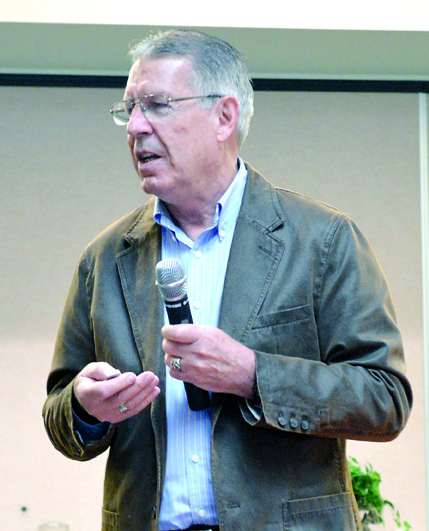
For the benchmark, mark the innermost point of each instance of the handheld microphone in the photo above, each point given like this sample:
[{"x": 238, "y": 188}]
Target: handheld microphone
[{"x": 172, "y": 285}]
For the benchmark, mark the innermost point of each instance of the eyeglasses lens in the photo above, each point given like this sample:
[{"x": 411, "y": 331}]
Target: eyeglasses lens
[
  {"x": 152, "y": 105},
  {"x": 155, "y": 105}
]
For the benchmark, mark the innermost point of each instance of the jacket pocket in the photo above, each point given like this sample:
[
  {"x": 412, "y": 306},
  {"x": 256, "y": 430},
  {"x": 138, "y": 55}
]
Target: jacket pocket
[
  {"x": 110, "y": 520},
  {"x": 283, "y": 317},
  {"x": 290, "y": 332},
  {"x": 324, "y": 513}
]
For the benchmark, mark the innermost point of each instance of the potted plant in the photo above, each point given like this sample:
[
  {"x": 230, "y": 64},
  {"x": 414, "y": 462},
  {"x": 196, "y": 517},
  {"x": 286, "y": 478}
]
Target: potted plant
[{"x": 366, "y": 487}]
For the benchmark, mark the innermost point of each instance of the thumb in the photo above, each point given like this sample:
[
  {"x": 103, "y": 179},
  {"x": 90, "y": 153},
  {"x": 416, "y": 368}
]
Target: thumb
[{"x": 100, "y": 371}]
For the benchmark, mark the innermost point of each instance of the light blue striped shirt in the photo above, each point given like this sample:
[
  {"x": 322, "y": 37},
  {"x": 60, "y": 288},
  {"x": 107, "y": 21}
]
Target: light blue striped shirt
[{"x": 188, "y": 496}]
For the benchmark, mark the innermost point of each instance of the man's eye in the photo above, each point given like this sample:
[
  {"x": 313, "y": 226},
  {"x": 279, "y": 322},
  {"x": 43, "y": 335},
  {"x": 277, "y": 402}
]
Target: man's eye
[
  {"x": 129, "y": 106},
  {"x": 159, "y": 107}
]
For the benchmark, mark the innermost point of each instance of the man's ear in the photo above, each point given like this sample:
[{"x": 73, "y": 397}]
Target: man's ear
[{"x": 228, "y": 111}]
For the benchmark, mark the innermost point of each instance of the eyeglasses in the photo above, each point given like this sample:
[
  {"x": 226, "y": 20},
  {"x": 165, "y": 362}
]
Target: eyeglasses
[{"x": 152, "y": 105}]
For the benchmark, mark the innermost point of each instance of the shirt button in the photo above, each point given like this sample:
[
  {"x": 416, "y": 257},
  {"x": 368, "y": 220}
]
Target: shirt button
[
  {"x": 222, "y": 234},
  {"x": 198, "y": 254},
  {"x": 195, "y": 458},
  {"x": 197, "y": 305},
  {"x": 202, "y": 513}
]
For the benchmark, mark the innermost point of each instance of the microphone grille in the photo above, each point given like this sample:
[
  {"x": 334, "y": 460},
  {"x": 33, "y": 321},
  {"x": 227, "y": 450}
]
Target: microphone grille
[{"x": 171, "y": 279}]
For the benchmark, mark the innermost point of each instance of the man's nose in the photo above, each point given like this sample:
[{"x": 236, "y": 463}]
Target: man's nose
[{"x": 138, "y": 123}]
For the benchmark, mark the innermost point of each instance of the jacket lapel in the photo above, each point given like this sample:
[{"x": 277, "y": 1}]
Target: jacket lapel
[
  {"x": 136, "y": 266},
  {"x": 254, "y": 256},
  {"x": 253, "y": 259}
]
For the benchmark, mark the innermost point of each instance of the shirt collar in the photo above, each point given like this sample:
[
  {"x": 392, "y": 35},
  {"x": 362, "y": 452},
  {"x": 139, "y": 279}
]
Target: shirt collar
[{"x": 227, "y": 208}]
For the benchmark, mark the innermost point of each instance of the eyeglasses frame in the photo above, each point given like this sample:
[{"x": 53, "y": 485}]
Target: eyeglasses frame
[{"x": 138, "y": 101}]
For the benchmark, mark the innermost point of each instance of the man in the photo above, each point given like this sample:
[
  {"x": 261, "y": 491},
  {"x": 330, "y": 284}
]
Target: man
[{"x": 293, "y": 336}]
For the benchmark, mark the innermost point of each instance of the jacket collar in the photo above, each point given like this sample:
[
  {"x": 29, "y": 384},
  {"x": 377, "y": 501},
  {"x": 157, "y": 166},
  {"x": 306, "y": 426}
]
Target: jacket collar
[
  {"x": 143, "y": 224},
  {"x": 260, "y": 201}
]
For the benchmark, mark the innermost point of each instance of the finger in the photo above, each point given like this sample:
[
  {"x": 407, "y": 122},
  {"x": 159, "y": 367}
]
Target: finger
[
  {"x": 115, "y": 385},
  {"x": 174, "y": 372},
  {"x": 147, "y": 379},
  {"x": 171, "y": 348},
  {"x": 141, "y": 400},
  {"x": 181, "y": 333},
  {"x": 171, "y": 362},
  {"x": 133, "y": 400},
  {"x": 142, "y": 386},
  {"x": 92, "y": 393},
  {"x": 177, "y": 349},
  {"x": 131, "y": 409}
]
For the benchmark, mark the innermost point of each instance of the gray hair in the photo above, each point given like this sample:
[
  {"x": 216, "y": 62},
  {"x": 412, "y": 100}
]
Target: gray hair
[{"x": 218, "y": 67}]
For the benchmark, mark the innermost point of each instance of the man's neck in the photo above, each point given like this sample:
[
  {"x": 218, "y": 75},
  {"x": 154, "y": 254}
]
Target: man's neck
[
  {"x": 198, "y": 214},
  {"x": 193, "y": 221}
]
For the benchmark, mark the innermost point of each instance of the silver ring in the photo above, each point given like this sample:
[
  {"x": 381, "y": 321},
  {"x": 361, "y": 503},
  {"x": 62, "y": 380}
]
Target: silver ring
[
  {"x": 175, "y": 363},
  {"x": 122, "y": 408}
]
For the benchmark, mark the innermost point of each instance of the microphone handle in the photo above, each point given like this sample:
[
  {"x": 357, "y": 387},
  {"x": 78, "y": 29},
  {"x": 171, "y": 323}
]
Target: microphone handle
[
  {"x": 179, "y": 313},
  {"x": 198, "y": 399}
]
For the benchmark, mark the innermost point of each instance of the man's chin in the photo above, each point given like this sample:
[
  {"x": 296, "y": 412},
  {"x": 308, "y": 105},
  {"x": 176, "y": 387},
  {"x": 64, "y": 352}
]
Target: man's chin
[
  {"x": 150, "y": 185},
  {"x": 146, "y": 183}
]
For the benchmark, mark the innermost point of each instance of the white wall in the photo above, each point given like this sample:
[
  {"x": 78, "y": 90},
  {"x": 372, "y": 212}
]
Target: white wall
[
  {"x": 331, "y": 14},
  {"x": 65, "y": 174}
]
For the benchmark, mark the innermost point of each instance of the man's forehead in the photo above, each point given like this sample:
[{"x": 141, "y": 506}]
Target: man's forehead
[{"x": 158, "y": 74}]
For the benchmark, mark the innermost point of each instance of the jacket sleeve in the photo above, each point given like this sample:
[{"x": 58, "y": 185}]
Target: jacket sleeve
[
  {"x": 74, "y": 349},
  {"x": 357, "y": 388}
]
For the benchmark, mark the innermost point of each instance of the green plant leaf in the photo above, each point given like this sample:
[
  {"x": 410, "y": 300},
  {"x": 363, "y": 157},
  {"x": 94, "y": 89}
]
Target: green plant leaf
[{"x": 366, "y": 487}]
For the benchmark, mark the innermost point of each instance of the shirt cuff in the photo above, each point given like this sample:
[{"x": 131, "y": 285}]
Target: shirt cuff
[{"x": 89, "y": 433}]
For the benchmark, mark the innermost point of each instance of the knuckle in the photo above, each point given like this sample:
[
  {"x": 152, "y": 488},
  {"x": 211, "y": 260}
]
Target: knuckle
[{"x": 118, "y": 399}]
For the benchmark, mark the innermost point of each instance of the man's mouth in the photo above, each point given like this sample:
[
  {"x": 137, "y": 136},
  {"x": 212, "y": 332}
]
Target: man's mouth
[{"x": 146, "y": 157}]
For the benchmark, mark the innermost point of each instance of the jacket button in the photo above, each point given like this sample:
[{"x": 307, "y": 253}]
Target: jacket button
[
  {"x": 293, "y": 422},
  {"x": 304, "y": 425},
  {"x": 282, "y": 420}
]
